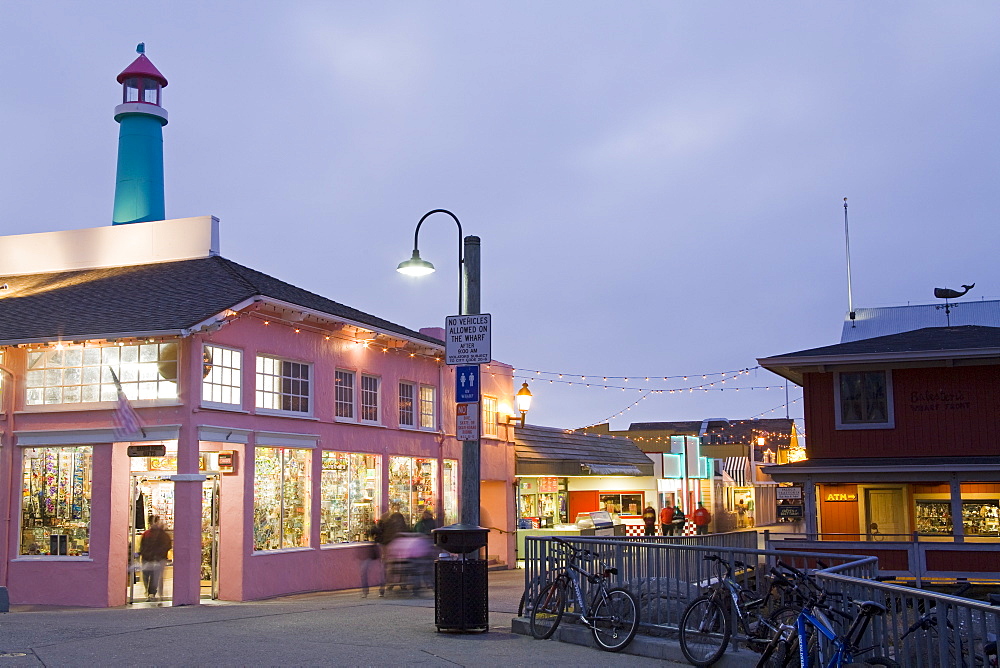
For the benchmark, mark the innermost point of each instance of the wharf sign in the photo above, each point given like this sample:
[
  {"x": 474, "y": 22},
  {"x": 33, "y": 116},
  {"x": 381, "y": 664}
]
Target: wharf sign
[{"x": 467, "y": 339}]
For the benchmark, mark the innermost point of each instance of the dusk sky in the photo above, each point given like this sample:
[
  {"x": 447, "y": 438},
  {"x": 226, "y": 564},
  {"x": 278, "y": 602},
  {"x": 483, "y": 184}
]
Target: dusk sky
[{"x": 658, "y": 185}]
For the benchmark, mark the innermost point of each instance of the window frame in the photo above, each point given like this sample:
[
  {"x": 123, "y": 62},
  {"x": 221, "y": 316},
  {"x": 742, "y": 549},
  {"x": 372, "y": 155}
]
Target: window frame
[
  {"x": 433, "y": 405},
  {"x": 337, "y": 402},
  {"x": 414, "y": 399},
  {"x": 890, "y": 421},
  {"x": 362, "y": 391},
  {"x": 491, "y": 425},
  {"x": 310, "y": 397},
  {"x": 237, "y": 375},
  {"x": 86, "y": 490}
]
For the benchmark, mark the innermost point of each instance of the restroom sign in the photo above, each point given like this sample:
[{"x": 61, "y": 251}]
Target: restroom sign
[{"x": 467, "y": 339}]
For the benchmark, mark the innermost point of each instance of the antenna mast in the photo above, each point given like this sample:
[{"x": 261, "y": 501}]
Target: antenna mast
[{"x": 847, "y": 242}]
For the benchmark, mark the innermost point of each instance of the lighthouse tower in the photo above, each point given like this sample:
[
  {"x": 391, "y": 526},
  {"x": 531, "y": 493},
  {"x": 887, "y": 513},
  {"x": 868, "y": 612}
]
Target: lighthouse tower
[{"x": 139, "y": 185}]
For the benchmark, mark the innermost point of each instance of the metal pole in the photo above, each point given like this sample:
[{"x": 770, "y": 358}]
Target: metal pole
[
  {"x": 847, "y": 243},
  {"x": 470, "y": 449}
]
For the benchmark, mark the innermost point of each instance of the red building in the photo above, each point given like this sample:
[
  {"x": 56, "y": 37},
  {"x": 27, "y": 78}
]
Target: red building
[{"x": 903, "y": 445}]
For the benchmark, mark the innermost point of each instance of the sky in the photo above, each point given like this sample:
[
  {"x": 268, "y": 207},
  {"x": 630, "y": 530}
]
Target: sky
[{"x": 658, "y": 186}]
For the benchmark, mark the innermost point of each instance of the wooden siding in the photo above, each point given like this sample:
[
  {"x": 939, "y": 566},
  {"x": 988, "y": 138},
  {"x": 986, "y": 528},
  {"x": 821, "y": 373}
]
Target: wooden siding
[
  {"x": 838, "y": 517},
  {"x": 942, "y": 411}
]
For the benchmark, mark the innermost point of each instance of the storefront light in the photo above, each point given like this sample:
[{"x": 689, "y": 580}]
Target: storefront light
[{"x": 523, "y": 401}]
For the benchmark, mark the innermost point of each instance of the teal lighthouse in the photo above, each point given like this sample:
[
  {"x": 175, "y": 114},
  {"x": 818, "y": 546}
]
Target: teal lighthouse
[{"x": 139, "y": 185}]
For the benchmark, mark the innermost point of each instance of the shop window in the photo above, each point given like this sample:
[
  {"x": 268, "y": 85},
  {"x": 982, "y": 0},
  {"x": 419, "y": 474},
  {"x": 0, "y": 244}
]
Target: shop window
[
  {"x": 55, "y": 510},
  {"x": 428, "y": 407},
  {"x": 283, "y": 385},
  {"x": 622, "y": 504},
  {"x": 490, "y": 417},
  {"x": 413, "y": 486},
  {"x": 344, "y": 395},
  {"x": 349, "y": 492},
  {"x": 370, "y": 398},
  {"x": 407, "y": 414},
  {"x": 223, "y": 369},
  {"x": 281, "y": 498},
  {"x": 449, "y": 483},
  {"x": 74, "y": 374},
  {"x": 864, "y": 400}
]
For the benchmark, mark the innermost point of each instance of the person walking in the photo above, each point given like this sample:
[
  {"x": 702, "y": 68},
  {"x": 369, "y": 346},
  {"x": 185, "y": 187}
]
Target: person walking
[
  {"x": 702, "y": 518},
  {"x": 649, "y": 520},
  {"x": 667, "y": 520},
  {"x": 154, "y": 546},
  {"x": 678, "y": 521}
]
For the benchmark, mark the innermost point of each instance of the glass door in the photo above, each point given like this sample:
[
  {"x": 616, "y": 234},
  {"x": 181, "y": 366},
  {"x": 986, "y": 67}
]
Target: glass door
[
  {"x": 151, "y": 500},
  {"x": 210, "y": 538}
]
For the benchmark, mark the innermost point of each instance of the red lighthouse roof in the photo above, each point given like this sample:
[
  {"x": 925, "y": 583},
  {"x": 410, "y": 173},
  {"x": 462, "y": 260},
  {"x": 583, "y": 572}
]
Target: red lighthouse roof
[{"x": 142, "y": 67}]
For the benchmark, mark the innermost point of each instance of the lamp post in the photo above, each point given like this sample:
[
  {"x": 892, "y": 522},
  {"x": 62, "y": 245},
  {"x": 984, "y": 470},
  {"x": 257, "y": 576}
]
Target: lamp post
[{"x": 468, "y": 304}]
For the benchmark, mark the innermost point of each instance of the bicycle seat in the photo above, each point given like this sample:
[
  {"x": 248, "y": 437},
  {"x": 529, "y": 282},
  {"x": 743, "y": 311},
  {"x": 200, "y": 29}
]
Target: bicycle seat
[{"x": 870, "y": 607}]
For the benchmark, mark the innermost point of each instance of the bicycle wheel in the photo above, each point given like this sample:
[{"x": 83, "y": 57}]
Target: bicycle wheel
[
  {"x": 547, "y": 611},
  {"x": 881, "y": 661},
  {"x": 704, "y": 631},
  {"x": 615, "y": 619}
]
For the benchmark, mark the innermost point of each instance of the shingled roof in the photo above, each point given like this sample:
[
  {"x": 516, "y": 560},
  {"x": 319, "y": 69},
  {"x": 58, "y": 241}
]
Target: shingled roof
[
  {"x": 557, "y": 452},
  {"x": 929, "y": 343},
  {"x": 161, "y": 298}
]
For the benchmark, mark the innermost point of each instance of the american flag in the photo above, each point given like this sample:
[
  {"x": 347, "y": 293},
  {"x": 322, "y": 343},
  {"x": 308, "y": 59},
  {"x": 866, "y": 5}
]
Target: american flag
[{"x": 127, "y": 422}]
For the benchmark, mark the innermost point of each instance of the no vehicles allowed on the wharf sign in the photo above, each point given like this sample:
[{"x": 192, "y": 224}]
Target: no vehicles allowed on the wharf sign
[{"x": 467, "y": 339}]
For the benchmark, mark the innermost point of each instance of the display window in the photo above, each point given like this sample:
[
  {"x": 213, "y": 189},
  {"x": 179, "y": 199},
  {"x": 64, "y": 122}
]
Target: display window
[
  {"x": 933, "y": 517},
  {"x": 542, "y": 502},
  {"x": 55, "y": 504},
  {"x": 981, "y": 517},
  {"x": 413, "y": 486},
  {"x": 450, "y": 492},
  {"x": 349, "y": 493},
  {"x": 622, "y": 503},
  {"x": 281, "y": 498}
]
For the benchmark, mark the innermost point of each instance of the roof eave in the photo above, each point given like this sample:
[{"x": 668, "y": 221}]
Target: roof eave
[{"x": 157, "y": 333}]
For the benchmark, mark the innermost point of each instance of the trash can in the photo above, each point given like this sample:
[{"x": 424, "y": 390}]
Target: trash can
[{"x": 461, "y": 601}]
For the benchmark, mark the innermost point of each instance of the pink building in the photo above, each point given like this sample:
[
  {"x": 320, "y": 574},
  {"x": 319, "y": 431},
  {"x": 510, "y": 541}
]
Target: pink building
[{"x": 276, "y": 425}]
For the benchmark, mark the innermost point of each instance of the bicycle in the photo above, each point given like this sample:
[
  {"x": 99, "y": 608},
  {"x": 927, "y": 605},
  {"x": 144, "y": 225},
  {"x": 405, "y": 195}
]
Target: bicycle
[
  {"x": 706, "y": 625},
  {"x": 813, "y": 628},
  {"x": 612, "y": 614}
]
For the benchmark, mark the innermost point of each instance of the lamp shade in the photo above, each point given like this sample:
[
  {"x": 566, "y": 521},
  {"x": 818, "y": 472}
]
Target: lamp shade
[
  {"x": 523, "y": 398},
  {"x": 415, "y": 266}
]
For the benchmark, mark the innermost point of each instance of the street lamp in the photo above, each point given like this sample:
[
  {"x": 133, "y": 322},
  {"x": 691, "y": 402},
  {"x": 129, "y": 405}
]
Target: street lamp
[
  {"x": 523, "y": 400},
  {"x": 468, "y": 304}
]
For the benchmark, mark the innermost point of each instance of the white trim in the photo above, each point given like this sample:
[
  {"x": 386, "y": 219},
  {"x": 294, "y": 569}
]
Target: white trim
[
  {"x": 890, "y": 407},
  {"x": 279, "y": 439},
  {"x": 50, "y": 557},
  {"x": 347, "y": 321},
  {"x": 188, "y": 477},
  {"x": 223, "y": 434},
  {"x": 144, "y": 108},
  {"x": 170, "y": 432},
  {"x": 360, "y": 399},
  {"x": 35, "y": 409}
]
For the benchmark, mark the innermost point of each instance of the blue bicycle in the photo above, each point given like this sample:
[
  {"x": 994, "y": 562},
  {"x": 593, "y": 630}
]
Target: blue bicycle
[{"x": 813, "y": 640}]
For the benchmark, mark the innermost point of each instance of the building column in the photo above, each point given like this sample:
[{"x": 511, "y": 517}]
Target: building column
[
  {"x": 957, "y": 525},
  {"x": 809, "y": 494},
  {"x": 187, "y": 518}
]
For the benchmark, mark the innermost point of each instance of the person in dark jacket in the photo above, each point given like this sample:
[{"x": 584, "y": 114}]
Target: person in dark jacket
[
  {"x": 426, "y": 523},
  {"x": 649, "y": 520},
  {"x": 154, "y": 546}
]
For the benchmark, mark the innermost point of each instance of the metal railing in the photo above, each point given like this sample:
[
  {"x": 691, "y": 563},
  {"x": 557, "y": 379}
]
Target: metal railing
[{"x": 667, "y": 573}]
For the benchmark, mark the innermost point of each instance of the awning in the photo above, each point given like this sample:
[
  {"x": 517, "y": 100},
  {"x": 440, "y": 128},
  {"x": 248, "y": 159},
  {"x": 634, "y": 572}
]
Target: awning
[
  {"x": 736, "y": 468},
  {"x": 612, "y": 469}
]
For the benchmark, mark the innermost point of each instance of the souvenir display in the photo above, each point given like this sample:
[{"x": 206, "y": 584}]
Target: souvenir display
[
  {"x": 55, "y": 507},
  {"x": 981, "y": 518},
  {"x": 281, "y": 498},
  {"x": 933, "y": 517},
  {"x": 412, "y": 485},
  {"x": 349, "y": 489}
]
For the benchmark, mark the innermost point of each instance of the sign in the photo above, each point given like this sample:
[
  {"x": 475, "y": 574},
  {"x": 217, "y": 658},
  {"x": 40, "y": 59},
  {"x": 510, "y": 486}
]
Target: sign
[
  {"x": 548, "y": 485},
  {"x": 227, "y": 461},
  {"x": 467, "y": 339},
  {"x": 467, "y": 384},
  {"x": 467, "y": 422},
  {"x": 842, "y": 496},
  {"x": 794, "y": 493},
  {"x": 790, "y": 512},
  {"x": 147, "y": 450}
]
